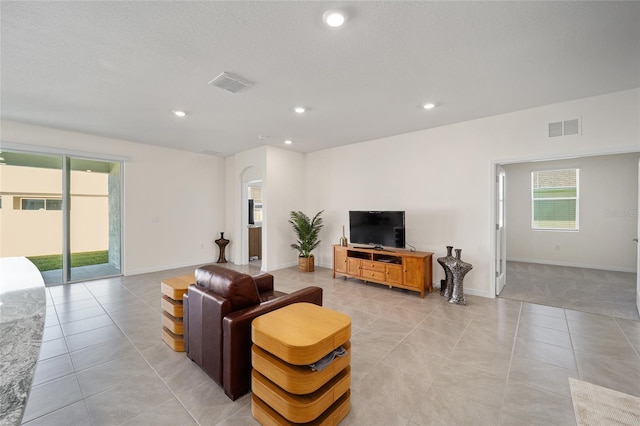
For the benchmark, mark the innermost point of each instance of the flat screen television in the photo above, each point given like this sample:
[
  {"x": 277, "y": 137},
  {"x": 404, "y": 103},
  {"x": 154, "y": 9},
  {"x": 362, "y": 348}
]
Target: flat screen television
[{"x": 377, "y": 228}]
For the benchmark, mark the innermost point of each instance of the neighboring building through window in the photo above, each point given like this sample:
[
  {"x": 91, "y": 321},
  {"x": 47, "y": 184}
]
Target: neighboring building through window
[{"x": 554, "y": 199}]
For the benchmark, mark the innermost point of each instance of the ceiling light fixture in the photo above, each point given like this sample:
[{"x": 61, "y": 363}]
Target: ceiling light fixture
[
  {"x": 299, "y": 109},
  {"x": 288, "y": 142},
  {"x": 179, "y": 113},
  {"x": 334, "y": 18},
  {"x": 429, "y": 106}
]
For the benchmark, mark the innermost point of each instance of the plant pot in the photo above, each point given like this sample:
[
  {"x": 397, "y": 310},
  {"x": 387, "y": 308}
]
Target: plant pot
[{"x": 305, "y": 264}]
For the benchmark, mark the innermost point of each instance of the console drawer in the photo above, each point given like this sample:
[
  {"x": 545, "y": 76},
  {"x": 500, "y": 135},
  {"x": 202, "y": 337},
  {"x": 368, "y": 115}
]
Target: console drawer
[
  {"x": 372, "y": 266},
  {"x": 372, "y": 275}
]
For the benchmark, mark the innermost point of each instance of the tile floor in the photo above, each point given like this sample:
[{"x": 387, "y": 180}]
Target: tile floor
[
  {"x": 80, "y": 273},
  {"x": 415, "y": 361},
  {"x": 589, "y": 290}
]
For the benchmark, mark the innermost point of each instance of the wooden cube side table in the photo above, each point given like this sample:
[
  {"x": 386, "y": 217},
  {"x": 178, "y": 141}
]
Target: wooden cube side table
[
  {"x": 285, "y": 388},
  {"x": 173, "y": 290}
]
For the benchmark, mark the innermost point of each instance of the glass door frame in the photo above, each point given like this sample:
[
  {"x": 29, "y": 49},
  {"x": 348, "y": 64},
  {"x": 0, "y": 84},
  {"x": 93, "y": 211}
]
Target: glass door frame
[{"x": 67, "y": 156}]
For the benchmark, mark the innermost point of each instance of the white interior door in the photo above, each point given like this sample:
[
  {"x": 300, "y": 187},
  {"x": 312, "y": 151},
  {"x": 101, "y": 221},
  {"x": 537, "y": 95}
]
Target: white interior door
[
  {"x": 501, "y": 235},
  {"x": 638, "y": 248}
]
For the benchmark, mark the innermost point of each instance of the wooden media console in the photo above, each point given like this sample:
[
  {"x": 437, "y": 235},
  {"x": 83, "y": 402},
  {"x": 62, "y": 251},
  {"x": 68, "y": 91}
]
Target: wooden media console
[{"x": 406, "y": 269}]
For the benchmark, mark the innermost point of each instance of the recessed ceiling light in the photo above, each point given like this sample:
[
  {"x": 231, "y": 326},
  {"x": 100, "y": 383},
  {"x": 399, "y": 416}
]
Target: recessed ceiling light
[
  {"x": 288, "y": 142},
  {"x": 334, "y": 18},
  {"x": 299, "y": 109},
  {"x": 179, "y": 113},
  {"x": 429, "y": 106}
]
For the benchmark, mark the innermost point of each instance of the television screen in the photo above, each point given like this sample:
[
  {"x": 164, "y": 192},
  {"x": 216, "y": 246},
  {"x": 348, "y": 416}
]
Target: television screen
[{"x": 380, "y": 228}]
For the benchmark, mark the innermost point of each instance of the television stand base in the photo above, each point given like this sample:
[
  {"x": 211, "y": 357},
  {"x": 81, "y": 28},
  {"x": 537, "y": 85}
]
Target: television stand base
[{"x": 399, "y": 268}]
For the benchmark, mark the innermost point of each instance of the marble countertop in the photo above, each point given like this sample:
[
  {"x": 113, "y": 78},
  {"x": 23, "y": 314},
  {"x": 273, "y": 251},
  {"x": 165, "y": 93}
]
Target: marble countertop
[{"x": 22, "y": 313}]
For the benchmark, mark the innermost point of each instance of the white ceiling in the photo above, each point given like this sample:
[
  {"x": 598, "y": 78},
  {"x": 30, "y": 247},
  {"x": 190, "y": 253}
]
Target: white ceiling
[{"x": 118, "y": 69}]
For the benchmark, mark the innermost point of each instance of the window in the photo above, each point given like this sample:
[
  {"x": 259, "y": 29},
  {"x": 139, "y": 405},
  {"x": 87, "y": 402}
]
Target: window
[
  {"x": 32, "y": 204},
  {"x": 41, "y": 204},
  {"x": 554, "y": 199},
  {"x": 51, "y": 204}
]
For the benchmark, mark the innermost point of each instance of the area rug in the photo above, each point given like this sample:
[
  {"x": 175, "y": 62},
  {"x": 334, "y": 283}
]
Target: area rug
[{"x": 598, "y": 406}]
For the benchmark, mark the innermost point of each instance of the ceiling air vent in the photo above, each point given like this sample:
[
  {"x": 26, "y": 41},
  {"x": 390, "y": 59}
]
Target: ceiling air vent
[
  {"x": 564, "y": 128},
  {"x": 230, "y": 82}
]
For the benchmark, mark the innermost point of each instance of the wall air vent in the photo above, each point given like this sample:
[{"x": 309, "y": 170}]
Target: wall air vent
[
  {"x": 555, "y": 129},
  {"x": 230, "y": 82},
  {"x": 565, "y": 128},
  {"x": 572, "y": 127},
  {"x": 210, "y": 152}
]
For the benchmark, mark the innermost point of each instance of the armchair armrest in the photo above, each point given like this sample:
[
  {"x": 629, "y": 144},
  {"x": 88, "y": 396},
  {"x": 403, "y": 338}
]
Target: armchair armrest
[
  {"x": 264, "y": 282},
  {"x": 203, "y": 314},
  {"x": 236, "y": 337}
]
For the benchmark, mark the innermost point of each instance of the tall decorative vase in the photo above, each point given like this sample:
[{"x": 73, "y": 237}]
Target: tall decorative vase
[
  {"x": 459, "y": 269},
  {"x": 343, "y": 239},
  {"x": 447, "y": 284},
  {"x": 222, "y": 243}
]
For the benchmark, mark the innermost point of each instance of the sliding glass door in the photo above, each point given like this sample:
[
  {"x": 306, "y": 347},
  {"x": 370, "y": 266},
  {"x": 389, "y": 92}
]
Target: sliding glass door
[
  {"x": 94, "y": 218},
  {"x": 31, "y": 211},
  {"x": 63, "y": 213}
]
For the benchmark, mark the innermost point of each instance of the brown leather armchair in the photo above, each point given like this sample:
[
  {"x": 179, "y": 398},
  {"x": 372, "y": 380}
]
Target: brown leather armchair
[{"x": 218, "y": 310}]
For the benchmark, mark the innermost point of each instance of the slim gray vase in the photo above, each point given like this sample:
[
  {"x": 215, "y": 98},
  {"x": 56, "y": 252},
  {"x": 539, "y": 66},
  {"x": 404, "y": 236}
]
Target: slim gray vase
[
  {"x": 447, "y": 284},
  {"x": 459, "y": 269}
]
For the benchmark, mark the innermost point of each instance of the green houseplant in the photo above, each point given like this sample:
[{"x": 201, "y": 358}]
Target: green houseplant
[{"x": 307, "y": 232}]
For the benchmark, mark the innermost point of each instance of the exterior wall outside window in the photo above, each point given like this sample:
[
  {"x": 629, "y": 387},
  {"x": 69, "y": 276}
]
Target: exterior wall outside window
[{"x": 38, "y": 232}]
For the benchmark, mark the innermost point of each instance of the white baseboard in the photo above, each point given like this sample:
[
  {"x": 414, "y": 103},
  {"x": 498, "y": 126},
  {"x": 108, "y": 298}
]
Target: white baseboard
[
  {"x": 470, "y": 292},
  {"x": 480, "y": 293},
  {"x": 159, "y": 268},
  {"x": 573, "y": 265},
  {"x": 283, "y": 266}
]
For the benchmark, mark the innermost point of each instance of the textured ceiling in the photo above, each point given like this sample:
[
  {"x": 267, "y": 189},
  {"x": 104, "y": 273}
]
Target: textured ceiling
[{"x": 118, "y": 69}]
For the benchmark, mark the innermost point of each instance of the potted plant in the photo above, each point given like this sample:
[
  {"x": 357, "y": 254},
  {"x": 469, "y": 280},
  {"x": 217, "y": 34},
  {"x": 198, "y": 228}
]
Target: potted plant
[{"x": 307, "y": 231}]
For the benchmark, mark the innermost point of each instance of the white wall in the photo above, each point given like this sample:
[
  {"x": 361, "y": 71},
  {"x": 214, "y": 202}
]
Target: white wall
[
  {"x": 183, "y": 190},
  {"x": 282, "y": 175},
  {"x": 283, "y": 191},
  {"x": 239, "y": 169},
  {"x": 443, "y": 177},
  {"x": 608, "y": 209}
]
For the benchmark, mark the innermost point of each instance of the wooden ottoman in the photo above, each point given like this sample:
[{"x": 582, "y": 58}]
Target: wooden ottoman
[
  {"x": 285, "y": 388},
  {"x": 173, "y": 289}
]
